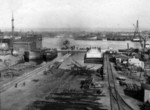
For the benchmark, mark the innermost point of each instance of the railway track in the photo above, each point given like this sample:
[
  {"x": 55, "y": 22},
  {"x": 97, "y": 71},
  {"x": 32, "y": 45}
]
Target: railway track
[
  {"x": 30, "y": 74},
  {"x": 116, "y": 101}
]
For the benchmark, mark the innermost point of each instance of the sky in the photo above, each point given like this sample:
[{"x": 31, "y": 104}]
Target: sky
[{"x": 75, "y": 13}]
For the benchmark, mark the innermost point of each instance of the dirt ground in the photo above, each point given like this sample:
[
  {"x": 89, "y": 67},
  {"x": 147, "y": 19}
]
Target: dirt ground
[
  {"x": 16, "y": 71},
  {"x": 58, "y": 91}
]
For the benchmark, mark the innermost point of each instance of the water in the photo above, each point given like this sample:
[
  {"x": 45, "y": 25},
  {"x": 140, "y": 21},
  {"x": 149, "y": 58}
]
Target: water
[{"x": 57, "y": 42}]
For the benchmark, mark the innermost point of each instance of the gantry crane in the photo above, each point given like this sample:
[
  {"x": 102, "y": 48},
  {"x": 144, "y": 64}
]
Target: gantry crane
[{"x": 142, "y": 38}]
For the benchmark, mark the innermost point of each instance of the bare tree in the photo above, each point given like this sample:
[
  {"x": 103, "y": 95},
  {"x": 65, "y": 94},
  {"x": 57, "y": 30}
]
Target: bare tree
[{"x": 66, "y": 44}]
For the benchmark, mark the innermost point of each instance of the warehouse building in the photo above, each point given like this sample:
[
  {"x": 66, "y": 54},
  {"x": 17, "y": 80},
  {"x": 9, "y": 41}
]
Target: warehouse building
[
  {"x": 27, "y": 43},
  {"x": 93, "y": 55}
]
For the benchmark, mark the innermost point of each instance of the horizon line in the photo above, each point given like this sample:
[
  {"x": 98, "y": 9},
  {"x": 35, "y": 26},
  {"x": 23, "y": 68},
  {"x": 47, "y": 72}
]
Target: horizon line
[{"x": 72, "y": 29}]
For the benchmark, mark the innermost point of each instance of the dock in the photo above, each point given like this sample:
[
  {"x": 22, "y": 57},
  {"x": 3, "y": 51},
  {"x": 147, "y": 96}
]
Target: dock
[{"x": 74, "y": 51}]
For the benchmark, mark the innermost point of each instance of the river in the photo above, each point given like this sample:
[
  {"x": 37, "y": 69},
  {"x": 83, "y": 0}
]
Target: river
[{"x": 57, "y": 42}]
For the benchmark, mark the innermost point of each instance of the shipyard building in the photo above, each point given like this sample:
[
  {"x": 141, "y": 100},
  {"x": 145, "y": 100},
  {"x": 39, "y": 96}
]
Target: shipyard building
[{"x": 27, "y": 43}]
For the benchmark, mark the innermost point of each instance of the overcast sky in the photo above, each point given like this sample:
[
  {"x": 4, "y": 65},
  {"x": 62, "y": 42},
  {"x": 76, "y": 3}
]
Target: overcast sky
[{"x": 75, "y": 13}]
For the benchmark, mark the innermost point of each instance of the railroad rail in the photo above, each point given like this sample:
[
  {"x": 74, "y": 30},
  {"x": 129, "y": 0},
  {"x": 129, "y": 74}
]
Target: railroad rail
[
  {"x": 8, "y": 85},
  {"x": 116, "y": 101}
]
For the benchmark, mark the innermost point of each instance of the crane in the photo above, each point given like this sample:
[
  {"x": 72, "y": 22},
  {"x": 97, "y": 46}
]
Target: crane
[{"x": 142, "y": 38}]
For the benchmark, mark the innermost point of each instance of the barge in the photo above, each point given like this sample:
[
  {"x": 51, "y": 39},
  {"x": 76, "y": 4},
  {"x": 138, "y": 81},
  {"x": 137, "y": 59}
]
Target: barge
[
  {"x": 136, "y": 40},
  {"x": 33, "y": 55},
  {"x": 40, "y": 55}
]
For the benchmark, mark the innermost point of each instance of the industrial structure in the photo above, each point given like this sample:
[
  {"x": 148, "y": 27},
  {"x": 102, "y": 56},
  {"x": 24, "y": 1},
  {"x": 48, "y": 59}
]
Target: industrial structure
[
  {"x": 138, "y": 37},
  {"x": 6, "y": 42},
  {"x": 29, "y": 43}
]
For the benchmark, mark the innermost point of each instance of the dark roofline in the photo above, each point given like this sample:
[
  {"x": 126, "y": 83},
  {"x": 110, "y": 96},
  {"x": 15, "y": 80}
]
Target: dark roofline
[
  {"x": 23, "y": 42},
  {"x": 146, "y": 86}
]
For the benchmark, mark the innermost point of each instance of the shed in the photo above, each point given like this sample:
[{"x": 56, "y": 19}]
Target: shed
[
  {"x": 121, "y": 57},
  {"x": 146, "y": 92}
]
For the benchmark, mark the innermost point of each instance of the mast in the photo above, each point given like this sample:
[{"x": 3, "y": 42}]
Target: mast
[
  {"x": 12, "y": 33},
  {"x": 12, "y": 21}
]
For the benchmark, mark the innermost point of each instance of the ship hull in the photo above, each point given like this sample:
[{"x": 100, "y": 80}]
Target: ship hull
[
  {"x": 49, "y": 55},
  {"x": 32, "y": 56}
]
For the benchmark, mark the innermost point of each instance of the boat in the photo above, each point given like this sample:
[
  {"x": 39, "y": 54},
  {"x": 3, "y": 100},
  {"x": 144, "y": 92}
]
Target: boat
[
  {"x": 136, "y": 40},
  {"x": 49, "y": 54},
  {"x": 33, "y": 55},
  {"x": 93, "y": 55}
]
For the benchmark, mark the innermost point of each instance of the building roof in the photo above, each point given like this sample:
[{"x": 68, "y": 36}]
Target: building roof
[
  {"x": 4, "y": 46},
  {"x": 122, "y": 56},
  {"x": 94, "y": 53}
]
